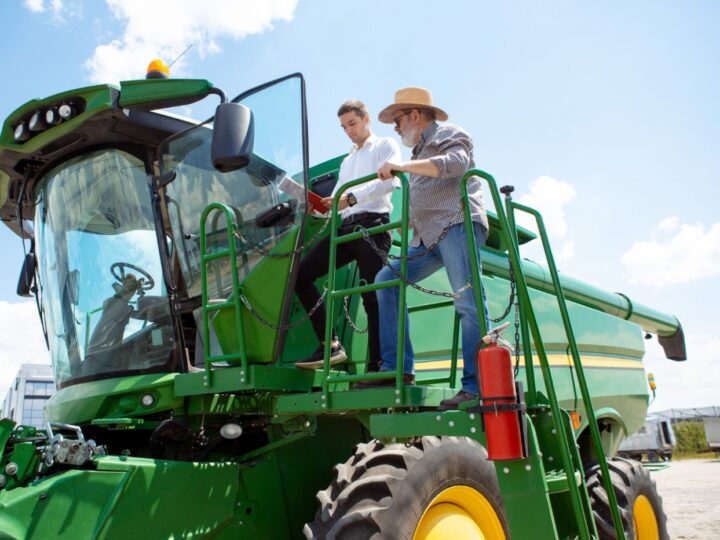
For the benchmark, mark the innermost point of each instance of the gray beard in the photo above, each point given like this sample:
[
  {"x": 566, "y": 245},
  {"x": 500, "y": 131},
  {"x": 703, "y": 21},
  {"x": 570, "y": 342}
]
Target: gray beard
[{"x": 408, "y": 139}]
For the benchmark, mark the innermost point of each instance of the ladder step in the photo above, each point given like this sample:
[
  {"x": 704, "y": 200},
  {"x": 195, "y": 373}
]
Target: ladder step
[
  {"x": 220, "y": 305},
  {"x": 557, "y": 481},
  {"x": 217, "y": 255},
  {"x": 223, "y": 357}
]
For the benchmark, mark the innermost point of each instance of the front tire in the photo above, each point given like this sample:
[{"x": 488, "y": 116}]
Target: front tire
[
  {"x": 640, "y": 505},
  {"x": 437, "y": 488}
]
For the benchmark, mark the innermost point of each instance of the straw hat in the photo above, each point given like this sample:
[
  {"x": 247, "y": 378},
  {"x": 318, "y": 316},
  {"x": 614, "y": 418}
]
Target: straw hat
[{"x": 411, "y": 98}]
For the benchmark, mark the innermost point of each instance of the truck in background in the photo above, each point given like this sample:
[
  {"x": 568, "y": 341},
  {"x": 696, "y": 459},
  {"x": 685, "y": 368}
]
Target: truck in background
[
  {"x": 655, "y": 440},
  {"x": 712, "y": 433}
]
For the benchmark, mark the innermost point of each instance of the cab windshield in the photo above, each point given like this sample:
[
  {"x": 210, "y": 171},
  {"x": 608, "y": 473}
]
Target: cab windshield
[
  {"x": 252, "y": 192},
  {"x": 101, "y": 291}
]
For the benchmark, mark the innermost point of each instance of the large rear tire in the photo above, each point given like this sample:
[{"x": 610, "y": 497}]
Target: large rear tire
[
  {"x": 640, "y": 505},
  {"x": 437, "y": 488}
]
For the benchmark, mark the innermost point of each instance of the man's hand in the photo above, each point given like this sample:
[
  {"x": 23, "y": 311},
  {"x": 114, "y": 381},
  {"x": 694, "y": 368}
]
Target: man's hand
[
  {"x": 422, "y": 167},
  {"x": 385, "y": 172},
  {"x": 342, "y": 203},
  {"x": 129, "y": 287}
]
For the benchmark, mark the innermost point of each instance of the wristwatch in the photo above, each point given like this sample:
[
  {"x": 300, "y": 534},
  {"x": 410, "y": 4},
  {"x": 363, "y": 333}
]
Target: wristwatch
[{"x": 351, "y": 199}]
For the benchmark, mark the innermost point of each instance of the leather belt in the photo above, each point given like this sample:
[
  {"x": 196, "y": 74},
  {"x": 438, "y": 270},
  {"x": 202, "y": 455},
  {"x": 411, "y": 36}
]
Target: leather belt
[{"x": 362, "y": 216}]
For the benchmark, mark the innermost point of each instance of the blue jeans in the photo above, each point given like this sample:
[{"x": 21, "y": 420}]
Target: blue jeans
[{"x": 452, "y": 253}]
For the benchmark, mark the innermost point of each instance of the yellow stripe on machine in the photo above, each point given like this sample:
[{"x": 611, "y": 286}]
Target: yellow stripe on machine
[{"x": 555, "y": 360}]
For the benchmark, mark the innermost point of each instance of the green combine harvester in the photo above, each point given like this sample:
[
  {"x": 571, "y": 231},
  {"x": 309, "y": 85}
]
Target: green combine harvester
[{"x": 162, "y": 254}]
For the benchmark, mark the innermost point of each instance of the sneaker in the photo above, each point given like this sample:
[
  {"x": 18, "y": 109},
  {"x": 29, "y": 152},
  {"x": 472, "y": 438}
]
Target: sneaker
[
  {"x": 317, "y": 359},
  {"x": 452, "y": 403}
]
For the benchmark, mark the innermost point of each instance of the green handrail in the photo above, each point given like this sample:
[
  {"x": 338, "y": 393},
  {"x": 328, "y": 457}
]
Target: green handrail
[
  {"x": 584, "y": 527},
  {"x": 579, "y": 371},
  {"x": 234, "y": 299},
  {"x": 524, "y": 329},
  {"x": 333, "y": 295}
]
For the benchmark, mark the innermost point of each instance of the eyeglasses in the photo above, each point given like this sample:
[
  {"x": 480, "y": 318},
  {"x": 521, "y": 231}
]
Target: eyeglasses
[{"x": 396, "y": 120}]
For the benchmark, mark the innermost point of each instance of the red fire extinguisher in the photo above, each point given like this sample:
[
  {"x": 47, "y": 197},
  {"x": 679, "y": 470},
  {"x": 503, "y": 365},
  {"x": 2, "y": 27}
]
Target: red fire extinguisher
[{"x": 503, "y": 412}]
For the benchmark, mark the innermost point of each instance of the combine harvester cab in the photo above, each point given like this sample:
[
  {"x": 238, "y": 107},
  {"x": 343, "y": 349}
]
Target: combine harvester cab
[{"x": 162, "y": 255}]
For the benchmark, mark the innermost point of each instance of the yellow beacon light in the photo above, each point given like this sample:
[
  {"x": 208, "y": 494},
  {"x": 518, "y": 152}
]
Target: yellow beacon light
[{"x": 157, "y": 69}]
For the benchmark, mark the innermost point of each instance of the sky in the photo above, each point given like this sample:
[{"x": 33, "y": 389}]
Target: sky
[{"x": 604, "y": 115}]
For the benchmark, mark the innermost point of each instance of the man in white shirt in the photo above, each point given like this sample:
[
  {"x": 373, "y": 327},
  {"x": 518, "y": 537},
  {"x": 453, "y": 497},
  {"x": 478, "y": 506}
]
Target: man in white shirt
[{"x": 367, "y": 205}]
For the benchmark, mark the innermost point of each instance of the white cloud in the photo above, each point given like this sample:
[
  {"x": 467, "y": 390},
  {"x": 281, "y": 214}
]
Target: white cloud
[
  {"x": 21, "y": 341},
  {"x": 165, "y": 28},
  {"x": 677, "y": 253},
  {"x": 36, "y": 6},
  {"x": 56, "y": 7},
  {"x": 550, "y": 197}
]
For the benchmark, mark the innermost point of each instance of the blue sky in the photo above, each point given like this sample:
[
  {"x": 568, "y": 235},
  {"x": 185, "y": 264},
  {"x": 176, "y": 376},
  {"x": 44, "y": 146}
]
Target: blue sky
[{"x": 604, "y": 115}]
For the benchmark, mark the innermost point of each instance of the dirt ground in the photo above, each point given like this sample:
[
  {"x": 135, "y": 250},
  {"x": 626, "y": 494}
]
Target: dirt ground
[{"x": 690, "y": 490}]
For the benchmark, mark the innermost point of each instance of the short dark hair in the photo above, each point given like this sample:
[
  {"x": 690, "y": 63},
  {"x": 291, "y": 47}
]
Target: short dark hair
[{"x": 353, "y": 105}]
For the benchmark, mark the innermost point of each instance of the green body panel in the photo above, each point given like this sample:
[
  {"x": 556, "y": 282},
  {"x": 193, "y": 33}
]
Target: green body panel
[
  {"x": 120, "y": 498},
  {"x": 112, "y": 398},
  {"x": 160, "y": 93},
  {"x": 267, "y": 498},
  {"x": 265, "y": 288}
]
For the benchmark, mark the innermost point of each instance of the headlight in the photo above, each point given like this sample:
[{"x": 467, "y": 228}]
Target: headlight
[
  {"x": 22, "y": 133},
  {"x": 231, "y": 431},
  {"x": 66, "y": 111},
  {"x": 148, "y": 400},
  {"x": 52, "y": 117},
  {"x": 37, "y": 122}
]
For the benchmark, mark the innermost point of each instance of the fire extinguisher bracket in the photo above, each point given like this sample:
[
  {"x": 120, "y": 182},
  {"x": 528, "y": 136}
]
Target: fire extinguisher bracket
[{"x": 499, "y": 407}]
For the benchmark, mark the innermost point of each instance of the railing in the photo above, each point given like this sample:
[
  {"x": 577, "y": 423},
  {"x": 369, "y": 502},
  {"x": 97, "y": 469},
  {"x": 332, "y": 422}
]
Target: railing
[
  {"x": 577, "y": 363},
  {"x": 581, "y": 509},
  {"x": 334, "y": 295},
  {"x": 233, "y": 301}
]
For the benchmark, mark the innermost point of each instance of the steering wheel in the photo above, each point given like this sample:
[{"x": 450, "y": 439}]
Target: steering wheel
[{"x": 118, "y": 272}]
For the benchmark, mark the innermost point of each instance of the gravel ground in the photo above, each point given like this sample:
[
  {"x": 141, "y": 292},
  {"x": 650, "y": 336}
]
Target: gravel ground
[{"x": 690, "y": 490}]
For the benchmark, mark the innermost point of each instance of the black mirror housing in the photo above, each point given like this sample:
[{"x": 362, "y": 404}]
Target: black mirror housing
[
  {"x": 27, "y": 276},
  {"x": 233, "y": 136}
]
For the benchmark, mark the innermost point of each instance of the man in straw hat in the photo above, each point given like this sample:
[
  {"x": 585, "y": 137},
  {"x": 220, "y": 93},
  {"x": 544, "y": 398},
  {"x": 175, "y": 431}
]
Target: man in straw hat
[{"x": 440, "y": 157}]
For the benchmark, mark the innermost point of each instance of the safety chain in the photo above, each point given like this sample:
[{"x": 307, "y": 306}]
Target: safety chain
[
  {"x": 512, "y": 298},
  {"x": 420, "y": 288},
  {"x": 274, "y": 326},
  {"x": 349, "y": 319},
  {"x": 517, "y": 335},
  {"x": 513, "y": 301}
]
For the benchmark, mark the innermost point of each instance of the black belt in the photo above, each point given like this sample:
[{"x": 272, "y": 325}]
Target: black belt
[{"x": 364, "y": 216}]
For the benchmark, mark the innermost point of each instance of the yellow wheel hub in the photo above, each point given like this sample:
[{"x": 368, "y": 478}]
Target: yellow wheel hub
[
  {"x": 646, "y": 527},
  {"x": 459, "y": 512}
]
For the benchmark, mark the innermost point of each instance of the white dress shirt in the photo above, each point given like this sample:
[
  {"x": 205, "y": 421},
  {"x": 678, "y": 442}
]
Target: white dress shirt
[{"x": 372, "y": 196}]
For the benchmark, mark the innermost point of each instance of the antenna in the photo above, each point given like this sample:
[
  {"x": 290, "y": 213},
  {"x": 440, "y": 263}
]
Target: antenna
[{"x": 181, "y": 55}]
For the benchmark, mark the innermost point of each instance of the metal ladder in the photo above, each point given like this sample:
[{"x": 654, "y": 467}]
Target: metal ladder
[
  {"x": 233, "y": 301},
  {"x": 570, "y": 459}
]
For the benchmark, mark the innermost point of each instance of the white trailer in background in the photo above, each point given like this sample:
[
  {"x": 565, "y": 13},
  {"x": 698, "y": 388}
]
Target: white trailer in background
[
  {"x": 655, "y": 439},
  {"x": 712, "y": 433}
]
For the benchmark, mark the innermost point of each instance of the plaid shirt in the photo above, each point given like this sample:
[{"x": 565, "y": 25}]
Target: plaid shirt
[{"x": 435, "y": 202}]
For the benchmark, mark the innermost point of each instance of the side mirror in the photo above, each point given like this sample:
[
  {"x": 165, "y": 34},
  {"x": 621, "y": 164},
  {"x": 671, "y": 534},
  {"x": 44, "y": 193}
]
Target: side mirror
[
  {"x": 233, "y": 136},
  {"x": 27, "y": 276}
]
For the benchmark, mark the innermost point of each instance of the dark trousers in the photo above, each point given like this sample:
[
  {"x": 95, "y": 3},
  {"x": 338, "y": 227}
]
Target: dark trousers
[{"x": 369, "y": 263}]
